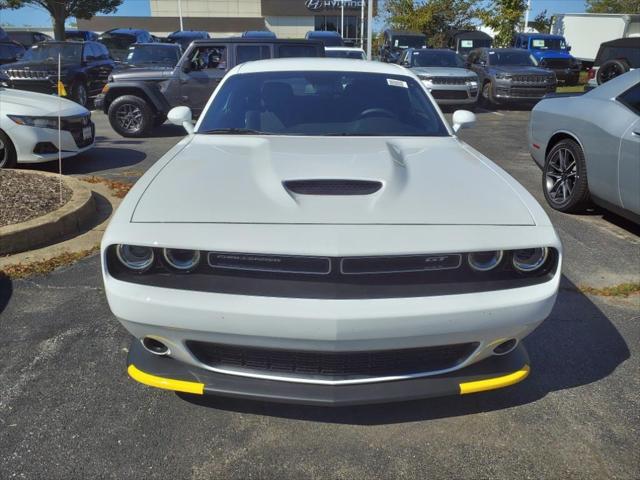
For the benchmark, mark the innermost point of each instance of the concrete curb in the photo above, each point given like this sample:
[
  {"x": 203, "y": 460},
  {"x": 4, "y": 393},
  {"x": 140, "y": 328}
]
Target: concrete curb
[{"x": 68, "y": 220}]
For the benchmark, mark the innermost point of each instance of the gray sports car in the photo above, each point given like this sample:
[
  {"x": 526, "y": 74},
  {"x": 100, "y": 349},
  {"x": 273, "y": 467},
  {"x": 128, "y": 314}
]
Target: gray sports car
[{"x": 588, "y": 147}]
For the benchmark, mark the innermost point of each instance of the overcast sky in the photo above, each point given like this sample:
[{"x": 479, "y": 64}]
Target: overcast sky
[{"x": 32, "y": 16}]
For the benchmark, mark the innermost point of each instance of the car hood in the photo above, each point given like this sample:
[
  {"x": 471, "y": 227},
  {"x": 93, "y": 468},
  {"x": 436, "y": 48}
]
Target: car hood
[
  {"x": 521, "y": 69},
  {"x": 443, "y": 72},
  {"x": 123, "y": 74},
  {"x": 22, "y": 102},
  {"x": 35, "y": 66},
  {"x": 240, "y": 179},
  {"x": 551, "y": 54}
]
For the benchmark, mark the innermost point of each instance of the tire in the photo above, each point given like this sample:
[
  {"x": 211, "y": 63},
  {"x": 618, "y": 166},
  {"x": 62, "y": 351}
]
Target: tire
[
  {"x": 131, "y": 116},
  {"x": 610, "y": 70},
  {"x": 486, "y": 95},
  {"x": 564, "y": 178},
  {"x": 79, "y": 93},
  {"x": 8, "y": 157}
]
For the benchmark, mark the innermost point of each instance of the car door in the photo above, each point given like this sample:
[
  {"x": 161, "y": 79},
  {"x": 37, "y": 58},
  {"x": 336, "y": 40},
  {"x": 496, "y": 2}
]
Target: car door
[
  {"x": 104, "y": 64},
  {"x": 200, "y": 74},
  {"x": 89, "y": 58},
  {"x": 629, "y": 160}
]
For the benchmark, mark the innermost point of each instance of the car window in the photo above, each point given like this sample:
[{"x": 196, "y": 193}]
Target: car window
[
  {"x": 323, "y": 103},
  {"x": 435, "y": 58},
  {"x": 510, "y": 57},
  {"x": 48, "y": 52},
  {"x": 247, "y": 53},
  {"x": 290, "y": 51},
  {"x": 631, "y": 98},
  {"x": 87, "y": 53},
  {"x": 102, "y": 50},
  {"x": 210, "y": 57}
]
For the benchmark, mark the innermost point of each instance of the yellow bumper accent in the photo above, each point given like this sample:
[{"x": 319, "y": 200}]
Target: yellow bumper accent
[
  {"x": 493, "y": 383},
  {"x": 166, "y": 383}
]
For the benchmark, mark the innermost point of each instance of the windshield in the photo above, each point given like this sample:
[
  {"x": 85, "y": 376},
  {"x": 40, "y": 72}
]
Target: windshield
[
  {"x": 513, "y": 58},
  {"x": 547, "y": 44},
  {"x": 48, "y": 52},
  {"x": 322, "y": 103},
  {"x": 118, "y": 44},
  {"x": 152, "y": 55},
  {"x": 408, "y": 41},
  {"x": 357, "y": 54},
  {"x": 467, "y": 45},
  {"x": 328, "y": 40},
  {"x": 428, "y": 58}
]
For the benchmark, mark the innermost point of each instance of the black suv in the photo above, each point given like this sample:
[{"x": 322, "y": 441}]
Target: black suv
[
  {"x": 118, "y": 40},
  {"x": 138, "y": 99},
  {"x": 85, "y": 69},
  {"x": 10, "y": 51},
  {"x": 27, "y": 38},
  {"x": 509, "y": 75},
  {"x": 397, "y": 41}
]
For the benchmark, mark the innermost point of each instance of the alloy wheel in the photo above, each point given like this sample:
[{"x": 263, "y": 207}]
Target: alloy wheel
[
  {"x": 129, "y": 117},
  {"x": 561, "y": 175},
  {"x": 4, "y": 154}
]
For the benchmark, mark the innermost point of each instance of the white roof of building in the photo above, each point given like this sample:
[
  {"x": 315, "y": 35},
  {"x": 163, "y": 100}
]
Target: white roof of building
[{"x": 319, "y": 64}]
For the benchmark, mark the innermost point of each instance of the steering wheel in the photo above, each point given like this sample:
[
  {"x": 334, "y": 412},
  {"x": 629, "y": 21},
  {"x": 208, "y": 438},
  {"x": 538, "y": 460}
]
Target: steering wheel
[{"x": 378, "y": 112}]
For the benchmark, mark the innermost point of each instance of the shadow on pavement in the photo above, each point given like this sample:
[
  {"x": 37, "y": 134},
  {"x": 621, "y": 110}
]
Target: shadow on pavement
[
  {"x": 6, "y": 290},
  {"x": 94, "y": 160},
  {"x": 577, "y": 345}
]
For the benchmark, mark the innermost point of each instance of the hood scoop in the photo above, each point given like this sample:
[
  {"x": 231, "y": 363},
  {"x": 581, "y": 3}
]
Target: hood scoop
[{"x": 332, "y": 187}]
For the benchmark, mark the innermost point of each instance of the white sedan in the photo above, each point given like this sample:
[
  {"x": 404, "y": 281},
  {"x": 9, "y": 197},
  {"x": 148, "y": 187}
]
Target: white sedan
[
  {"x": 322, "y": 236},
  {"x": 29, "y": 128}
]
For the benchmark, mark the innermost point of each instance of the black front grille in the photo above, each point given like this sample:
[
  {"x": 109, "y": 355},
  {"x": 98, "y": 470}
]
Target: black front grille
[
  {"x": 75, "y": 125},
  {"x": 331, "y": 365},
  {"x": 450, "y": 94},
  {"x": 529, "y": 79},
  {"x": 332, "y": 187},
  {"x": 29, "y": 74},
  {"x": 559, "y": 63},
  {"x": 449, "y": 80}
]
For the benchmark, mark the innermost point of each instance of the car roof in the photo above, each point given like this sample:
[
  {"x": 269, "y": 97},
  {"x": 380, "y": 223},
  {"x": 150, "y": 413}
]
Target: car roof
[
  {"x": 207, "y": 41},
  {"x": 616, "y": 86},
  {"x": 407, "y": 33},
  {"x": 130, "y": 31},
  {"x": 438, "y": 50},
  {"x": 188, "y": 33},
  {"x": 471, "y": 34},
  {"x": 633, "y": 42},
  {"x": 345, "y": 49},
  {"x": 155, "y": 44},
  {"x": 317, "y": 64},
  {"x": 539, "y": 35},
  {"x": 322, "y": 33}
]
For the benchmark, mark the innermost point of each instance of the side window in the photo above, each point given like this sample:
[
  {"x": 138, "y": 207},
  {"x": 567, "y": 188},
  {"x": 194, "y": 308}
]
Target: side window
[
  {"x": 631, "y": 98},
  {"x": 104, "y": 53},
  {"x": 209, "y": 58},
  {"x": 88, "y": 53},
  {"x": 247, "y": 53}
]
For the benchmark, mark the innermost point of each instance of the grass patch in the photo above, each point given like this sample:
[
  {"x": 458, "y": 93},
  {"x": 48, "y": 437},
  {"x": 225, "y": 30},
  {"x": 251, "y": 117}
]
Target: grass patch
[
  {"x": 42, "y": 267},
  {"x": 570, "y": 89},
  {"x": 622, "y": 290},
  {"x": 119, "y": 189}
]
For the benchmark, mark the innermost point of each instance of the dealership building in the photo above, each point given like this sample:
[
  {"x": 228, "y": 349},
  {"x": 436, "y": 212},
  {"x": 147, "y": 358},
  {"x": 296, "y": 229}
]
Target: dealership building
[{"x": 286, "y": 18}]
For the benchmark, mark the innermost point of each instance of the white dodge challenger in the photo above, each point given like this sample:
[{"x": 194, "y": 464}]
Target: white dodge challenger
[{"x": 322, "y": 236}]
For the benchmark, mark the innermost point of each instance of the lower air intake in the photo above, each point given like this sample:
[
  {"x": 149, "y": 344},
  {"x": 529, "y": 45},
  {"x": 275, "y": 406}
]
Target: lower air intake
[{"x": 332, "y": 187}]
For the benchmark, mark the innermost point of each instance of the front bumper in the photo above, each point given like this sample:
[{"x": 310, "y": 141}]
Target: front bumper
[
  {"x": 567, "y": 74},
  {"x": 167, "y": 373},
  {"x": 453, "y": 94},
  {"x": 26, "y": 140},
  {"x": 504, "y": 91}
]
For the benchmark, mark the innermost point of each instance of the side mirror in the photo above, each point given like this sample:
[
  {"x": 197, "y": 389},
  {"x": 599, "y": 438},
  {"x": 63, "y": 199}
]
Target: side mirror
[
  {"x": 463, "y": 119},
  {"x": 568, "y": 48},
  {"x": 182, "y": 116}
]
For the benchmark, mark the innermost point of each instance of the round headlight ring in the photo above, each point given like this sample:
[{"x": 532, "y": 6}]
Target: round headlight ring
[
  {"x": 136, "y": 258},
  {"x": 485, "y": 261},
  {"x": 530, "y": 259},
  {"x": 181, "y": 260}
]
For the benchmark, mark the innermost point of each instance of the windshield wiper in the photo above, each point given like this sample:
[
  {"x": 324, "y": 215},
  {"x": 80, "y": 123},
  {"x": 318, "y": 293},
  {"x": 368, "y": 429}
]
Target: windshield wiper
[{"x": 235, "y": 131}]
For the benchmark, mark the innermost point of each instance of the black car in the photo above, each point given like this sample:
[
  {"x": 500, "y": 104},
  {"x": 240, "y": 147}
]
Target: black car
[
  {"x": 614, "y": 58},
  {"x": 463, "y": 41},
  {"x": 149, "y": 55},
  {"x": 81, "y": 35},
  {"x": 510, "y": 75},
  {"x": 10, "y": 52},
  {"x": 119, "y": 40},
  {"x": 27, "y": 38},
  {"x": 185, "y": 37},
  {"x": 85, "y": 69},
  {"x": 137, "y": 99},
  {"x": 397, "y": 41}
]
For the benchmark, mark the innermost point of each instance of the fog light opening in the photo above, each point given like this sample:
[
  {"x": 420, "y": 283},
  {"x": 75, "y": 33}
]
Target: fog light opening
[
  {"x": 155, "y": 346},
  {"x": 506, "y": 347}
]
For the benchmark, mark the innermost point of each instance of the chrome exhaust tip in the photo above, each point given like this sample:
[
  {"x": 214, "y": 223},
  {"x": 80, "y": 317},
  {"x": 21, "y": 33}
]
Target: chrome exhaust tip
[
  {"x": 155, "y": 346},
  {"x": 505, "y": 347}
]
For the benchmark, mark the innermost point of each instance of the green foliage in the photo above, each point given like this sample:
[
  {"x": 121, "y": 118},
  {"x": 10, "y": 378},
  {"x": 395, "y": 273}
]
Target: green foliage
[
  {"x": 541, "y": 22},
  {"x": 503, "y": 16},
  {"x": 60, "y": 10},
  {"x": 613, "y": 6},
  {"x": 431, "y": 17}
]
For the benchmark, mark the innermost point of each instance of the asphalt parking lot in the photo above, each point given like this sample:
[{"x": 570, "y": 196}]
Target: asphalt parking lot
[{"x": 68, "y": 409}]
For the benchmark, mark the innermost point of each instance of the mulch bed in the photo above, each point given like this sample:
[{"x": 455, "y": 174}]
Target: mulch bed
[{"x": 24, "y": 196}]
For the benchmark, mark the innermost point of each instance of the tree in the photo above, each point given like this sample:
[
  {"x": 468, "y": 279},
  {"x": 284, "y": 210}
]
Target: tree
[
  {"x": 613, "y": 6},
  {"x": 60, "y": 10},
  {"x": 431, "y": 17},
  {"x": 503, "y": 16},
  {"x": 541, "y": 22}
]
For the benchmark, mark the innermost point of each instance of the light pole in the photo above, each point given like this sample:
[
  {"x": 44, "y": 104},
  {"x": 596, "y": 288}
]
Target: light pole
[
  {"x": 180, "y": 14},
  {"x": 526, "y": 16},
  {"x": 361, "y": 23},
  {"x": 369, "y": 29}
]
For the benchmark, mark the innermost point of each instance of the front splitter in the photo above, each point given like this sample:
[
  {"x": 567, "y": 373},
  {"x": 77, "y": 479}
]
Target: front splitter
[{"x": 167, "y": 373}]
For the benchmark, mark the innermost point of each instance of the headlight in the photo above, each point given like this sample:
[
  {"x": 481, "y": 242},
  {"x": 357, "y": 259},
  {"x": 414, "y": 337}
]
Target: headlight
[
  {"x": 182, "y": 260},
  {"x": 484, "y": 261},
  {"x": 503, "y": 76},
  {"x": 138, "y": 259},
  {"x": 39, "y": 122},
  {"x": 530, "y": 259},
  {"x": 426, "y": 79},
  {"x": 472, "y": 83}
]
